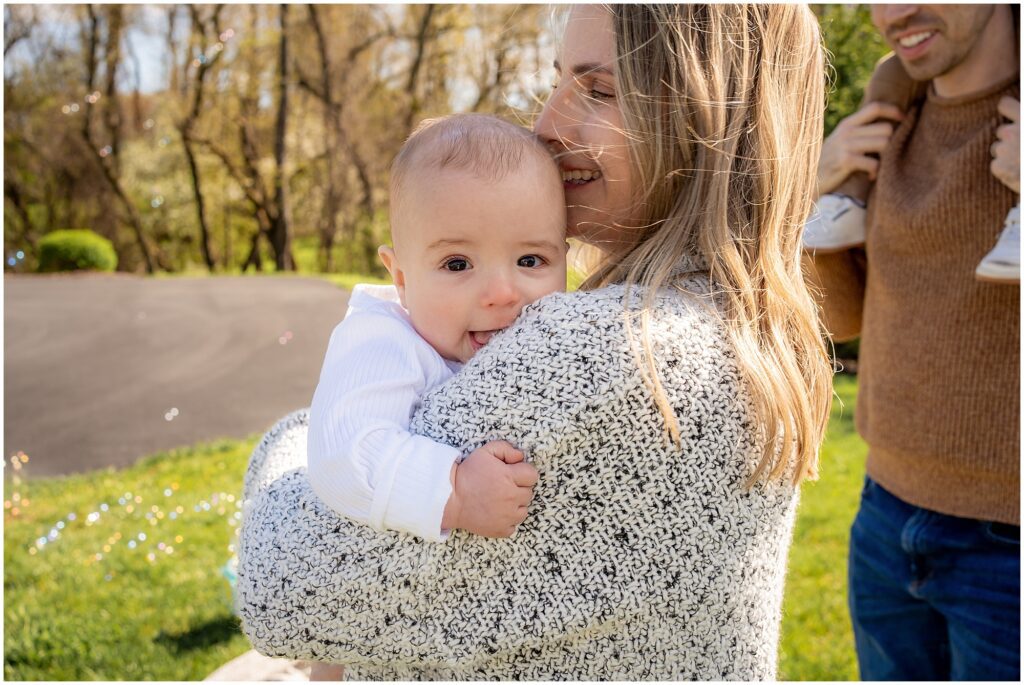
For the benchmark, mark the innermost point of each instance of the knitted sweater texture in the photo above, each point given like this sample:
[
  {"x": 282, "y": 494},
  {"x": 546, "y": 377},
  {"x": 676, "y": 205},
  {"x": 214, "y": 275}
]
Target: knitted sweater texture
[
  {"x": 639, "y": 560},
  {"x": 939, "y": 396}
]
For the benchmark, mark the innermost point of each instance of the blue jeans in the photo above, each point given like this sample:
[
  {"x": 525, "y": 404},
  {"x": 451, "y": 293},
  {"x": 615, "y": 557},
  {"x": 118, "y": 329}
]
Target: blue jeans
[{"x": 932, "y": 597}]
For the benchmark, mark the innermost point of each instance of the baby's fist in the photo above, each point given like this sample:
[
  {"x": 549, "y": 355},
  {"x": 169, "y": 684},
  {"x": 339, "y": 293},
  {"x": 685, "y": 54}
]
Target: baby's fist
[{"x": 492, "y": 490}]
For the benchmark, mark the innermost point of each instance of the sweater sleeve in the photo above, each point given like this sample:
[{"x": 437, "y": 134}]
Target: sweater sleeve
[
  {"x": 364, "y": 462},
  {"x": 316, "y": 586},
  {"x": 838, "y": 281}
]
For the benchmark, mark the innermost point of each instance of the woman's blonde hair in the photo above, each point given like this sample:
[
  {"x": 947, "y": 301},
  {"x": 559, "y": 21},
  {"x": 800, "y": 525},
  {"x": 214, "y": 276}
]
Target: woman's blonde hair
[{"x": 722, "y": 108}]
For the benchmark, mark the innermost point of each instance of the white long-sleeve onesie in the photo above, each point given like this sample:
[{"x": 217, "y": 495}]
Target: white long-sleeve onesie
[{"x": 363, "y": 461}]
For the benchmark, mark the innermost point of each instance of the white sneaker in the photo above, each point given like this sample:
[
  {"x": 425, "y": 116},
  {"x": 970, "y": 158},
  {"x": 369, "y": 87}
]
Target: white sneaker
[
  {"x": 1002, "y": 264},
  {"x": 836, "y": 224}
]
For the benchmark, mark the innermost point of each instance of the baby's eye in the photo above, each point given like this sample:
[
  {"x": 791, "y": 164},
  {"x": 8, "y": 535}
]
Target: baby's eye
[
  {"x": 530, "y": 261},
  {"x": 456, "y": 264}
]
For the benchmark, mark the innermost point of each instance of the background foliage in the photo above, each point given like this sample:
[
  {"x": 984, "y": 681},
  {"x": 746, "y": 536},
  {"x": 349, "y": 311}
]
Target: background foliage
[
  {"x": 275, "y": 124},
  {"x": 854, "y": 47},
  {"x": 75, "y": 249}
]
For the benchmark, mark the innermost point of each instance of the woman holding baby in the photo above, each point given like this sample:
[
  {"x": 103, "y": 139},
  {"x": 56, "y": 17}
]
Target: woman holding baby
[{"x": 671, "y": 407}]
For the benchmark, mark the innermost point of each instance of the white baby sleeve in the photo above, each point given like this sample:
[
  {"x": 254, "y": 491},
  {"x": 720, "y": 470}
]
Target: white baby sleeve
[{"x": 363, "y": 461}]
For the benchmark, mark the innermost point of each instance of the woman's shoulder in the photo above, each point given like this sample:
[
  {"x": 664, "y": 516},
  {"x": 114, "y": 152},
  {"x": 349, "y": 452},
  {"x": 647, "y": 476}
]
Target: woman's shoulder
[{"x": 686, "y": 307}]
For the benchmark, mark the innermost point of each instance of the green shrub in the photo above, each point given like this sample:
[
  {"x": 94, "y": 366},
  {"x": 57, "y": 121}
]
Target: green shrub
[{"x": 76, "y": 249}]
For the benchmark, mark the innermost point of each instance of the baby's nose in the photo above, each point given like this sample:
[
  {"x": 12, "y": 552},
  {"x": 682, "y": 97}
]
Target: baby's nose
[{"x": 501, "y": 292}]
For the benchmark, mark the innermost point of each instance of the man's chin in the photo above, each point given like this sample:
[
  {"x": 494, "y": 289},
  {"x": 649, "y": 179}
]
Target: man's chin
[{"x": 927, "y": 67}]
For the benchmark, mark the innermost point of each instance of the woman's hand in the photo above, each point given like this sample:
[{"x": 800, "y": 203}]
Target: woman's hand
[
  {"x": 492, "y": 489},
  {"x": 1006, "y": 150},
  {"x": 853, "y": 142}
]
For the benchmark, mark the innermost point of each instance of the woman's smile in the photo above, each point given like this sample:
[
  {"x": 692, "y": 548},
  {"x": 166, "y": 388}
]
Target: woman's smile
[{"x": 573, "y": 178}]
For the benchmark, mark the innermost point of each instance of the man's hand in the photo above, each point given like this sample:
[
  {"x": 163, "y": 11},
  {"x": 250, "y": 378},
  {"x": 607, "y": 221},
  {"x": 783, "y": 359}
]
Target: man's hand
[
  {"x": 851, "y": 143},
  {"x": 491, "y": 491},
  {"x": 1006, "y": 150}
]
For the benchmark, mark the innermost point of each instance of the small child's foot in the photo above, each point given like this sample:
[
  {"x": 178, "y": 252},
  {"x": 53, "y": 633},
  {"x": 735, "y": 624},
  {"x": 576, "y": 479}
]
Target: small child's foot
[
  {"x": 1002, "y": 264},
  {"x": 837, "y": 223}
]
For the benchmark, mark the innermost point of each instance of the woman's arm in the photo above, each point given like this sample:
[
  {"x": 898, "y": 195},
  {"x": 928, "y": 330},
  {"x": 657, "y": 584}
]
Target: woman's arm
[
  {"x": 315, "y": 585},
  {"x": 640, "y": 559}
]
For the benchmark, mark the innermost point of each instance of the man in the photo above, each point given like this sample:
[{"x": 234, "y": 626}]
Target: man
[{"x": 935, "y": 549}]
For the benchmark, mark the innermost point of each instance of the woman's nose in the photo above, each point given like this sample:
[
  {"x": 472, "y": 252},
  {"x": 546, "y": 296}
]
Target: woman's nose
[{"x": 552, "y": 125}]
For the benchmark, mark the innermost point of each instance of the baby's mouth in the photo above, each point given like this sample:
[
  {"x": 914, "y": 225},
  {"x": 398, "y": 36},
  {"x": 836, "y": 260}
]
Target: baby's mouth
[
  {"x": 481, "y": 338},
  {"x": 578, "y": 177}
]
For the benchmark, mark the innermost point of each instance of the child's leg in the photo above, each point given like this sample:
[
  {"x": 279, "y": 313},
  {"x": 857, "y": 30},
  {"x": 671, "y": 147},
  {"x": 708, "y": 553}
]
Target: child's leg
[
  {"x": 324, "y": 671},
  {"x": 889, "y": 83}
]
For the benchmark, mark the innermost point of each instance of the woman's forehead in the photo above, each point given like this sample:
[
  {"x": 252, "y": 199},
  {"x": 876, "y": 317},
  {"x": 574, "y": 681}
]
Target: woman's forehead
[{"x": 589, "y": 37}]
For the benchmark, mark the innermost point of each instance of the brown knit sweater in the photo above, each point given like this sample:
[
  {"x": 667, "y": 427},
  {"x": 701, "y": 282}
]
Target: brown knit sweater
[{"x": 939, "y": 399}]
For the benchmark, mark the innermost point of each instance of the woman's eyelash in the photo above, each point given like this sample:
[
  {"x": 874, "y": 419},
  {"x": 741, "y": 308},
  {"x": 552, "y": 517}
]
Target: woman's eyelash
[{"x": 591, "y": 92}]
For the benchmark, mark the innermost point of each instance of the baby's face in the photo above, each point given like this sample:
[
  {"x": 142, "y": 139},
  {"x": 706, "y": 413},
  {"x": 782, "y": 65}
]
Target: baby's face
[{"x": 470, "y": 254}]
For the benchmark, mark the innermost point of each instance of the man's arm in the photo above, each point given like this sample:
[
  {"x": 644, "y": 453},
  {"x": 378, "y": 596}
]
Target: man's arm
[
  {"x": 837, "y": 282},
  {"x": 855, "y": 143}
]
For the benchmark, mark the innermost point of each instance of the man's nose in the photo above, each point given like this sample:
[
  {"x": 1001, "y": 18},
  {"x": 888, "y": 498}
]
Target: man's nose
[{"x": 886, "y": 16}]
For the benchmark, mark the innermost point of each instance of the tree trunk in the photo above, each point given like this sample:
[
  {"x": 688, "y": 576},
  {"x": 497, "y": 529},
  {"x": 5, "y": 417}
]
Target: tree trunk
[
  {"x": 111, "y": 120},
  {"x": 280, "y": 231},
  {"x": 197, "y": 191},
  {"x": 186, "y": 127},
  {"x": 13, "y": 193},
  {"x": 111, "y": 104},
  {"x": 332, "y": 126},
  {"x": 417, "y": 62}
]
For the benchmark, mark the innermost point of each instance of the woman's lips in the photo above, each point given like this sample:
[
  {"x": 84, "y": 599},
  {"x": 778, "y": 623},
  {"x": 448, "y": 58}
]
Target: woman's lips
[{"x": 574, "y": 178}]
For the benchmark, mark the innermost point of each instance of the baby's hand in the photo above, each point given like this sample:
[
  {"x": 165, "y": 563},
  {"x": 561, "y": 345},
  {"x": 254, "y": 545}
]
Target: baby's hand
[{"x": 491, "y": 491}]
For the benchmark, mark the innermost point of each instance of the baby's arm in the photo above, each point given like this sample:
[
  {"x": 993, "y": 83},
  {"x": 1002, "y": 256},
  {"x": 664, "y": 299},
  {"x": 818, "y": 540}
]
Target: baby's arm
[
  {"x": 365, "y": 464},
  {"x": 363, "y": 461}
]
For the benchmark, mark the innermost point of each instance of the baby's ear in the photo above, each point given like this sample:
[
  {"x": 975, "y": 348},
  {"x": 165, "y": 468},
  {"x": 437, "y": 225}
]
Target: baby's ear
[{"x": 390, "y": 261}]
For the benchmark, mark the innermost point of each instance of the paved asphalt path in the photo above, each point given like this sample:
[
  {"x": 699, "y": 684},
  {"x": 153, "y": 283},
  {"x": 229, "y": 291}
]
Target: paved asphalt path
[{"x": 95, "y": 364}]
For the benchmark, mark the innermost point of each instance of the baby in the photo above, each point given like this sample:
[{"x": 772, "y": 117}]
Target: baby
[{"x": 478, "y": 227}]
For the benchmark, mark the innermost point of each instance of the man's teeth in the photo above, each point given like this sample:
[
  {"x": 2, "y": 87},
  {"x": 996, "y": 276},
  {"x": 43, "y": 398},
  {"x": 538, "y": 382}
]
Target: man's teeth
[
  {"x": 581, "y": 175},
  {"x": 915, "y": 39}
]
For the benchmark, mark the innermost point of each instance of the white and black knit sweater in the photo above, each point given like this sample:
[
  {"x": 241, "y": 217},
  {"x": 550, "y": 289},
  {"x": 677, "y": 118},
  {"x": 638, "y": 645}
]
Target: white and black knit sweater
[{"x": 638, "y": 560}]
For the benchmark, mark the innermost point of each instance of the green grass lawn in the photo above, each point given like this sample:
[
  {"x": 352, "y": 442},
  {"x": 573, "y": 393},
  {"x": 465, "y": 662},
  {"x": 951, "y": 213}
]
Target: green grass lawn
[
  {"x": 128, "y": 583},
  {"x": 817, "y": 641}
]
